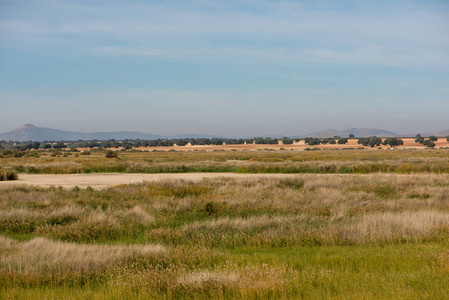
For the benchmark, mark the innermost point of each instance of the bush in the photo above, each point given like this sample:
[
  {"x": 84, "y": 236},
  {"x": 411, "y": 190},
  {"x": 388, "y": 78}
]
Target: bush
[
  {"x": 111, "y": 154},
  {"x": 56, "y": 153},
  {"x": 8, "y": 174}
]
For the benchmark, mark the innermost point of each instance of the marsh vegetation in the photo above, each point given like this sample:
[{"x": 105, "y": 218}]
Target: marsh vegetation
[
  {"x": 351, "y": 161},
  {"x": 372, "y": 235}
]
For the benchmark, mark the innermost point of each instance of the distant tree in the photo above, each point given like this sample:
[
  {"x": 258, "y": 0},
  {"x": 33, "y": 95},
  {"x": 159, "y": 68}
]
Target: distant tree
[
  {"x": 447, "y": 138},
  {"x": 430, "y": 144},
  {"x": 342, "y": 141},
  {"x": 374, "y": 141},
  {"x": 419, "y": 139},
  {"x": 433, "y": 138},
  {"x": 393, "y": 142},
  {"x": 59, "y": 145},
  {"x": 287, "y": 141},
  {"x": 351, "y": 136},
  {"x": 312, "y": 141},
  {"x": 106, "y": 144},
  {"x": 216, "y": 141},
  {"x": 268, "y": 140},
  {"x": 370, "y": 141}
]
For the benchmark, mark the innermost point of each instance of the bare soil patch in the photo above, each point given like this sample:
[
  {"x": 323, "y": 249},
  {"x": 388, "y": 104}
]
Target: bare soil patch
[{"x": 105, "y": 180}]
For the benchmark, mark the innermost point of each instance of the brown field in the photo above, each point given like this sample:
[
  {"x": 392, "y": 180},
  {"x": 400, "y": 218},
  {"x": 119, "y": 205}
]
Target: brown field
[{"x": 352, "y": 143}]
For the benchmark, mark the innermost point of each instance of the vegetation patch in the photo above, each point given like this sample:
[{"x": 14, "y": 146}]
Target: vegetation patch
[{"x": 8, "y": 174}]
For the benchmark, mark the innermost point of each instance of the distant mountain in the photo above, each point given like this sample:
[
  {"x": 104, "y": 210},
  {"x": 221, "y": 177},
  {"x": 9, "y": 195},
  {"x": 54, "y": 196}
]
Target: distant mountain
[
  {"x": 30, "y": 132},
  {"x": 193, "y": 135},
  {"x": 441, "y": 133},
  {"x": 357, "y": 132},
  {"x": 322, "y": 134}
]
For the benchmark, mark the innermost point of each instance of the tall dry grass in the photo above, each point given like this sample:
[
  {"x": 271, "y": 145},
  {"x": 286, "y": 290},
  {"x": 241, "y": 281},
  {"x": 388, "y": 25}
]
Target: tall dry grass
[
  {"x": 43, "y": 256},
  {"x": 309, "y": 235},
  {"x": 8, "y": 174}
]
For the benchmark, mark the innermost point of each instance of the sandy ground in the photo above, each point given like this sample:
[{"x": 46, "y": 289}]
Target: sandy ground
[{"x": 104, "y": 180}]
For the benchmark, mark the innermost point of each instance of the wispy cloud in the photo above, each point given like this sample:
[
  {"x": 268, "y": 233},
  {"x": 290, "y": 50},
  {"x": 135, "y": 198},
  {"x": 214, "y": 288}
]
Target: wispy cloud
[
  {"x": 166, "y": 63},
  {"x": 272, "y": 30}
]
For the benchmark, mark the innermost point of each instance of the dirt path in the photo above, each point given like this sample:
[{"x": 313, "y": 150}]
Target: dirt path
[{"x": 104, "y": 180}]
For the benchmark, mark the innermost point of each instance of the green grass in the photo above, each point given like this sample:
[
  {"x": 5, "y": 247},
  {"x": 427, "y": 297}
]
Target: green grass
[{"x": 395, "y": 271}]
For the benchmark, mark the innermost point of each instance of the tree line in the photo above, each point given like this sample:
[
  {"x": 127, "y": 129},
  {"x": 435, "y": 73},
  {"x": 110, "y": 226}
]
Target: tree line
[{"x": 135, "y": 143}]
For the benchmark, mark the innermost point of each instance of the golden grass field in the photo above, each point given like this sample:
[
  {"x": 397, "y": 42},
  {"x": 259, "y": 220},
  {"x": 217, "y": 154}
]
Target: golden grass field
[
  {"x": 352, "y": 143},
  {"x": 347, "y": 224}
]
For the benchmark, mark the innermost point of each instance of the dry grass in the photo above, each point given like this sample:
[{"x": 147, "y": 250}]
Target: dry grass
[
  {"x": 401, "y": 161},
  {"x": 305, "y": 236},
  {"x": 390, "y": 226},
  {"x": 8, "y": 174},
  {"x": 40, "y": 256}
]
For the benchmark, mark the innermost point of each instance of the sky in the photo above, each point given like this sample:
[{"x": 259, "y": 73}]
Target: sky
[{"x": 224, "y": 68}]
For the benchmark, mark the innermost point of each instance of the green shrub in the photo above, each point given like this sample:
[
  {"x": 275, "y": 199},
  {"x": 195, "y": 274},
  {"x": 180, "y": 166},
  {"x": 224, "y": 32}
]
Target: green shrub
[{"x": 111, "y": 154}]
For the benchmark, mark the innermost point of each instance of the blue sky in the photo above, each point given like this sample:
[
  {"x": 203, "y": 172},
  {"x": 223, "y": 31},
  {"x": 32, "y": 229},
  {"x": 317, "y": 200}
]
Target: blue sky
[{"x": 224, "y": 67}]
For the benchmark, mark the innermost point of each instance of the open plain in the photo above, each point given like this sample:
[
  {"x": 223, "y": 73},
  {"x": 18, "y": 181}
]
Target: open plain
[
  {"x": 409, "y": 143},
  {"x": 282, "y": 224}
]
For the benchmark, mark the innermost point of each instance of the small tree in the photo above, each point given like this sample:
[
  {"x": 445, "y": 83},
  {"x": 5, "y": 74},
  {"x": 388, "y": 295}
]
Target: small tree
[
  {"x": 342, "y": 141},
  {"x": 287, "y": 141},
  {"x": 419, "y": 140},
  {"x": 433, "y": 138},
  {"x": 393, "y": 142},
  {"x": 59, "y": 145},
  {"x": 351, "y": 136}
]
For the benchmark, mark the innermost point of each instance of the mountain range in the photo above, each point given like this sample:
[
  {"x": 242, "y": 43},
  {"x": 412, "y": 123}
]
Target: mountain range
[
  {"x": 357, "y": 132},
  {"x": 29, "y": 132}
]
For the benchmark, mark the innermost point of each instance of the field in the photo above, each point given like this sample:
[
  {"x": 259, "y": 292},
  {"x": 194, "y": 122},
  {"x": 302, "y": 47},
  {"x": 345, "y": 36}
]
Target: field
[
  {"x": 343, "y": 224},
  {"x": 409, "y": 143}
]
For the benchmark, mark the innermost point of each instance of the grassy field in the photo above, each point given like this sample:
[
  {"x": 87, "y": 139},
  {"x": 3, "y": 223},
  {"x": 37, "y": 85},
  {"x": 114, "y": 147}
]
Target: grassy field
[
  {"x": 313, "y": 236},
  {"x": 401, "y": 161}
]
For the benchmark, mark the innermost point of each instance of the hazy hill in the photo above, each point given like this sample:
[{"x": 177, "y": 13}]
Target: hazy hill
[
  {"x": 30, "y": 132},
  {"x": 441, "y": 133},
  {"x": 357, "y": 132}
]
